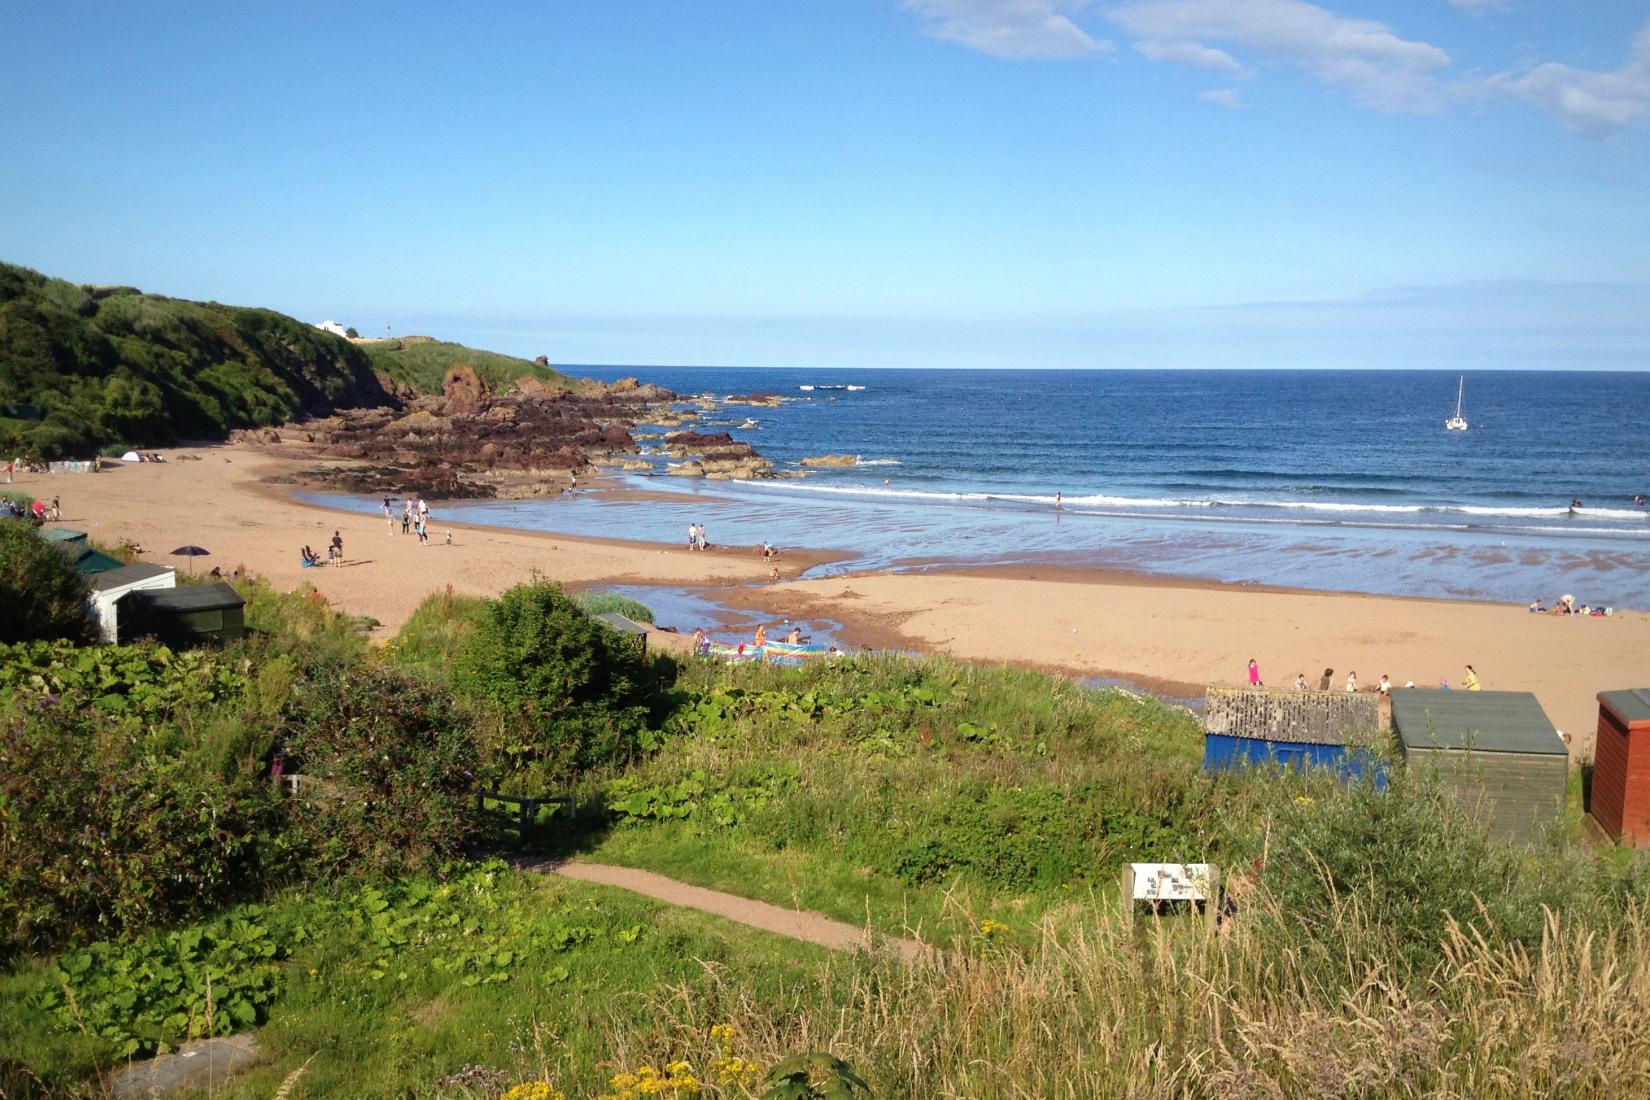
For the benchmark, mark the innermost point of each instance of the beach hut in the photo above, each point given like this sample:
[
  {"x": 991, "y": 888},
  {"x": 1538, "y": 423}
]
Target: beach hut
[
  {"x": 624, "y": 626},
  {"x": 88, "y": 560},
  {"x": 1497, "y": 749},
  {"x": 109, "y": 586},
  {"x": 1621, "y": 765},
  {"x": 1245, "y": 726},
  {"x": 182, "y": 617}
]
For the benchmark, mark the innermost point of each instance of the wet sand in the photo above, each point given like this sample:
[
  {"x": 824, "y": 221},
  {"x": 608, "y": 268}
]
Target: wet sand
[{"x": 1167, "y": 633}]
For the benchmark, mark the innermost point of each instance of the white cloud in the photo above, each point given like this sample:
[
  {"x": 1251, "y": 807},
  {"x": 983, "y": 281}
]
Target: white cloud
[
  {"x": 1380, "y": 69},
  {"x": 1222, "y": 97},
  {"x": 1190, "y": 53},
  {"x": 1015, "y": 29},
  {"x": 1592, "y": 102}
]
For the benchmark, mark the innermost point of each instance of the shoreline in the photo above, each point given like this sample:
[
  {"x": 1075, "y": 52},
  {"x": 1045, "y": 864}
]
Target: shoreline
[{"x": 1165, "y": 633}]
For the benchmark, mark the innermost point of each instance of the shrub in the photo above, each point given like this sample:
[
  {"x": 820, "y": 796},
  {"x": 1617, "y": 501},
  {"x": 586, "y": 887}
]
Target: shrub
[
  {"x": 431, "y": 637},
  {"x": 43, "y": 595},
  {"x": 390, "y": 765},
  {"x": 565, "y": 686},
  {"x": 104, "y": 829}
]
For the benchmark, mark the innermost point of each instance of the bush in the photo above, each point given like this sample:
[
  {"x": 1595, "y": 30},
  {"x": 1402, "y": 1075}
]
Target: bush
[
  {"x": 42, "y": 594},
  {"x": 390, "y": 765},
  {"x": 565, "y": 687},
  {"x": 104, "y": 828}
]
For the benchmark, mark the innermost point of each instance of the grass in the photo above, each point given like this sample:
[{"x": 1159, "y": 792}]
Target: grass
[
  {"x": 424, "y": 363},
  {"x": 600, "y": 603}
]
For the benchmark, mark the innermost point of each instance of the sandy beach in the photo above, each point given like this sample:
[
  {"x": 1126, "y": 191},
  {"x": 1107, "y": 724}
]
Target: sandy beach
[{"x": 1162, "y": 633}]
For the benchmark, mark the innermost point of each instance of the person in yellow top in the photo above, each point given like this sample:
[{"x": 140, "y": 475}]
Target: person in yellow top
[
  {"x": 761, "y": 635},
  {"x": 1470, "y": 680}
]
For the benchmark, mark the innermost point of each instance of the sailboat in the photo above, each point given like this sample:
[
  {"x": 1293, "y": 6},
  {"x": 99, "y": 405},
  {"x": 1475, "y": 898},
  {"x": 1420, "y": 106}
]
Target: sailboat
[{"x": 1456, "y": 423}]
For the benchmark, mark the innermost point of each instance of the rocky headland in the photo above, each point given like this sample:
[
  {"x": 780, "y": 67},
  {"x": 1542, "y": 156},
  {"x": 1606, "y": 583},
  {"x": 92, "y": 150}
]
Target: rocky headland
[{"x": 473, "y": 441}]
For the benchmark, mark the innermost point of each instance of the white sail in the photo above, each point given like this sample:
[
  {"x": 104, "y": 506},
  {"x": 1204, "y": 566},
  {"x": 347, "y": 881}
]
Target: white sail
[{"x": 1456, "y": 423}]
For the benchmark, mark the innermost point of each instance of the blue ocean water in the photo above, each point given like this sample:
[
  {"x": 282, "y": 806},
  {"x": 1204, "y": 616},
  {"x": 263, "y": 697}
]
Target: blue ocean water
[{"x": 1324, "y": 479}]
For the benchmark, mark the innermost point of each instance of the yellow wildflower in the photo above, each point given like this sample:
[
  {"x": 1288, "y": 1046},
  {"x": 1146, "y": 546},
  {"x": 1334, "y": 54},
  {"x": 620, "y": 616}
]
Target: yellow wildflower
[{"x": 534, "y": 1090}]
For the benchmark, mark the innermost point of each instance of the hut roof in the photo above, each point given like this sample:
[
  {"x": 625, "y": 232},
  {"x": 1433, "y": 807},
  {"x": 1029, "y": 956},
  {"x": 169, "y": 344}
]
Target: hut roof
[
  {"x": 1302, "y": 717},
  {"x": 191, "y": 597},
  {"x": 620, "y": 623},
  {"x": 1482, "y": 721},
  {"x": 127, "y": 574},
  {"x": 1630, "y": 704}
]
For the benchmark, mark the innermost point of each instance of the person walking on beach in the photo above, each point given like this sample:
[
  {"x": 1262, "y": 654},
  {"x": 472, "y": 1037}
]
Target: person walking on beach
[
  {"x": 1056, "y": 500},
  {"x": 693, "y": 536},
  {"x": 336, "y": 550},
  {"x": 1470, "y": 680},
  {"x": 423, "y": 531},
  {"x": 1254, "y": 674},
  {"x": 389, "y": 515},
  {"x": 1328, "y": 676},
  {"x": 57, "y": 510},
  {"x": 761, "y": 635},
  {"x": 704, "y": 543}
]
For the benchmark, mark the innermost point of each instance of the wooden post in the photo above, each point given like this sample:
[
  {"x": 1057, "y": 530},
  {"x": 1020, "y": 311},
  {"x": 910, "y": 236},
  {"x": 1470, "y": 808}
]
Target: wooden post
[
  {"x": 1211, "y": 903},
  {"x": 1128, "y": 895}
]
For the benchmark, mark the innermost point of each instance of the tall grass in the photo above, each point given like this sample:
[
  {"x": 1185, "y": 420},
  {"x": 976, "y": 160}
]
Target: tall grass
[{"x": 1088, "y": 1008}]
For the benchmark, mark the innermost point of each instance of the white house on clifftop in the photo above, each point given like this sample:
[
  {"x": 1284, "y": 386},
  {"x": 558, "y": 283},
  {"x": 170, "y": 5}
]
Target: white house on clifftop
[{"x": 333, "y": 327}]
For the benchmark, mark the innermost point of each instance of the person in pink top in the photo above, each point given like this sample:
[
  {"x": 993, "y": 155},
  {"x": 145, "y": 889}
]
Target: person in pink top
[{"x": 1254, "y": 673}]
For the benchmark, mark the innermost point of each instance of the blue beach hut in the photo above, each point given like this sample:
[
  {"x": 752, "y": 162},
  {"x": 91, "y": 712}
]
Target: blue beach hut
[{"x": 1248, "y": 726}]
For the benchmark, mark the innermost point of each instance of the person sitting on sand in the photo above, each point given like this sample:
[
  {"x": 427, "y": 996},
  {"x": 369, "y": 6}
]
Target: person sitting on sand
[
  {"x": 309, "y": 556},
  {"x": 795, "y": 636},
  {"x": 1385, "y": 686},
  {"x": 1536, "y": 606},
  {"x": 1300, "y": 681},
  {"x": 1470, "y": 680},
  {"x": 1351, "y": 681}
]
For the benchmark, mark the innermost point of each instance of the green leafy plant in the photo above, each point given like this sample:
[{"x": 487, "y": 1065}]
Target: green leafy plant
[{"x": 814, "y": 1074}]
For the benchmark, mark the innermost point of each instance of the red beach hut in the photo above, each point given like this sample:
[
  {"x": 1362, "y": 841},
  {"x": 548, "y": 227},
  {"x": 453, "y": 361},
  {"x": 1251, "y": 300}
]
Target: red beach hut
[{"x": 1621, "y": 765}]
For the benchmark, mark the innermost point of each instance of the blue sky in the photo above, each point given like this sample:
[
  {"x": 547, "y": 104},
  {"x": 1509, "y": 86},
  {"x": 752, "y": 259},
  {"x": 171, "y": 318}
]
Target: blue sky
[{"x": 1183, "y": 183}]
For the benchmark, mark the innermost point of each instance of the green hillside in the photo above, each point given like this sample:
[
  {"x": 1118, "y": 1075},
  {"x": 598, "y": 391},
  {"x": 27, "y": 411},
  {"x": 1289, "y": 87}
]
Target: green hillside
[
  {"x": 87, "y": 368},
  {"x": 423, "y": 363}
]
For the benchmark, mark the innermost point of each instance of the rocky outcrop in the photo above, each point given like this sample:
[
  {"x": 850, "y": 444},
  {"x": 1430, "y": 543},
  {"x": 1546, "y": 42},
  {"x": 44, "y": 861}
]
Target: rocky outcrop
[
  {"x": 761, "y": 400},
  {"x": 831, "y": 460},
  {"x": 473, "y": 442}
]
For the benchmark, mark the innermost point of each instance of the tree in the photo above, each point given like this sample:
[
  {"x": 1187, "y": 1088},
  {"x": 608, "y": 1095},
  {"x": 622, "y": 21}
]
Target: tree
[
  {"x": 351, "y": 333},
  {"x": 43, "y": 595},
  {"x": 565, "y": 684}
]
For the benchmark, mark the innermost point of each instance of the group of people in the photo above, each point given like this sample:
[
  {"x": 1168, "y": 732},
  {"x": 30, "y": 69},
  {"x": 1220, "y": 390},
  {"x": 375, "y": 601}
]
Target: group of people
[
  {"x": 701, "y": 643},
  {"x": 335, "y": 552},
  {"x": 1566, "y": 605},
  {"x": 696, "y": 537},
  {"x": 1383, "y": 686},
  {"x": 415, "y": 517},
  {"x": 40, "y": 511}
]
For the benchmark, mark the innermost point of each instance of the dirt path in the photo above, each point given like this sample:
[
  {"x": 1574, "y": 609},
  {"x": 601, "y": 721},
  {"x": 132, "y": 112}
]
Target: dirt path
[{"x": 795, "y": 924}]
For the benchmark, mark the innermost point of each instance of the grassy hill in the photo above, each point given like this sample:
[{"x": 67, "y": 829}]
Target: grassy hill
[
  {"x": 423, "y": 363},
  {"x": 86, "y": 368}
]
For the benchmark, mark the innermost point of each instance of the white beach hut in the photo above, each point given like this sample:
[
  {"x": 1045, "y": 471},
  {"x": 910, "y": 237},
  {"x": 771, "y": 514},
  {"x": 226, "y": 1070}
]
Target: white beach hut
[{"x": 110, "y": 586}]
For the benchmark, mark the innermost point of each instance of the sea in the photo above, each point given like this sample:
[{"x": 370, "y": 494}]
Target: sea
[{"x": 1323, "y": 479}]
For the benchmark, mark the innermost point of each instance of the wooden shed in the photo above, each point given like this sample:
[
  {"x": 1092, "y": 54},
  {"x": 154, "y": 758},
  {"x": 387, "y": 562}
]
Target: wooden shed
[
  {"x": 1498, "y": 749},
  {"x": 1243, "y": 726},
  {"x": 1621, "y": 765},
  {"x": 183, "y": 617}
]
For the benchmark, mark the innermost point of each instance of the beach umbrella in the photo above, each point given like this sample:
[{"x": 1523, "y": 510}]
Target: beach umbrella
[{"x": 190, "y": 552}]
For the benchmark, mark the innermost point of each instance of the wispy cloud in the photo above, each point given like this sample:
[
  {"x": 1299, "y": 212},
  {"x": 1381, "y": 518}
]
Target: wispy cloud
[
  {"x": 1378, "y": 67},
  {"x": 1222, "y": 97},
  {"x": 1015, "y": 29},
  {"x": 1586, "y": 100}
]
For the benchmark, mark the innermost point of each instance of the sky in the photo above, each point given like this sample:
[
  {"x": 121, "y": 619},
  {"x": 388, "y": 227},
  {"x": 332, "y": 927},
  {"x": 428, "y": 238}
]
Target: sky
[{"x": 1436, "y": 184}]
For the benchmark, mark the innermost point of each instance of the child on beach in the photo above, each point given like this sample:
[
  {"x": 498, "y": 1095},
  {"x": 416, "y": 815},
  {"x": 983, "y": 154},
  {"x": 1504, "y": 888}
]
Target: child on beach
[{"x": 1254, "y": 674}]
